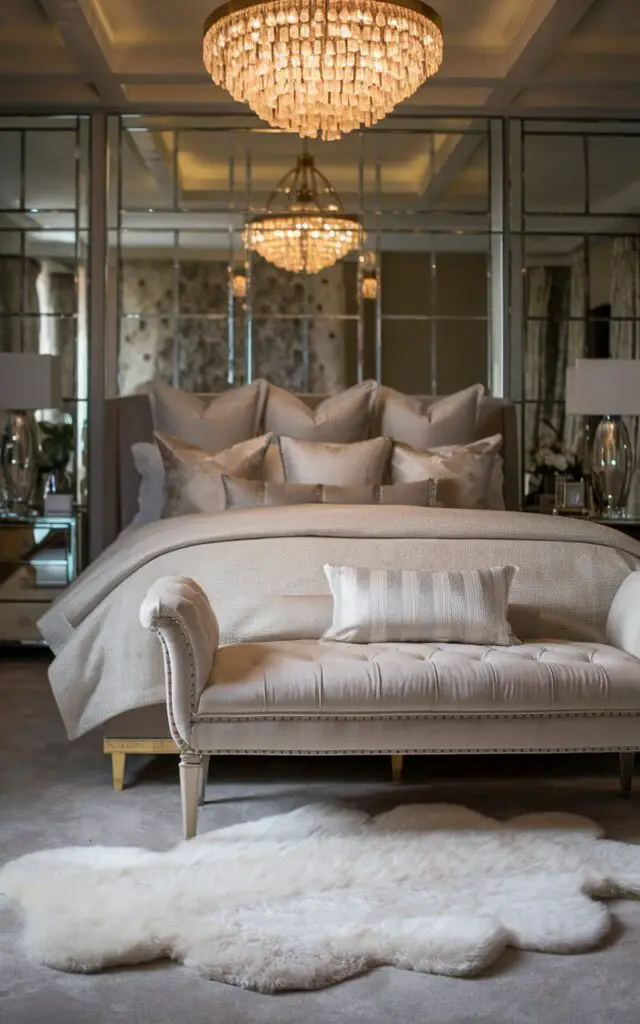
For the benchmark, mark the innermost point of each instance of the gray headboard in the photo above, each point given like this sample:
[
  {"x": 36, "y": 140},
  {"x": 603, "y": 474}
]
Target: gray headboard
[{"x": 129, "y": 420}]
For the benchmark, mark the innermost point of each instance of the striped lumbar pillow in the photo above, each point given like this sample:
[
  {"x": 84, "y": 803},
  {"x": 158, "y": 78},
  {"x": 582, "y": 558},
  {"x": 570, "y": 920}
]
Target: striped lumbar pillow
[{"x": 415, "y": 605}]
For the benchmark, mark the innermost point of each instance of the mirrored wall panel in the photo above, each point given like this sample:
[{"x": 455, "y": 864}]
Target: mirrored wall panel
[
  {"x": 44, "y": 185},
  {"x": 575, "y": 204},
  {"x": 403, "y": 296}
]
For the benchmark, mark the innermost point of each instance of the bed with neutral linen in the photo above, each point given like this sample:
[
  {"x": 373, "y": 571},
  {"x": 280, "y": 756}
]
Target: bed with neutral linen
[{"x": 254, "y": 496}]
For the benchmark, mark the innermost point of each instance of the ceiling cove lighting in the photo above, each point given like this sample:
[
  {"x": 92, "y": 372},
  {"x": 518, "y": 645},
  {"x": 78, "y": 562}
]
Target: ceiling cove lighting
[
  {"x": 304, "y": 229},
  {"x": 322, "y": 68}
]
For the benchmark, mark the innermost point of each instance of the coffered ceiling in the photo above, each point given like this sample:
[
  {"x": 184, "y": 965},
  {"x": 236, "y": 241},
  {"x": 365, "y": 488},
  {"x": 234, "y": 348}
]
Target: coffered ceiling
[{"x": 572, "y": 55}]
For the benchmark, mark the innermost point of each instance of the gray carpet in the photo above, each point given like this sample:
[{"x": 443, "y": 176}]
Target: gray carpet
[{"x": 53, "y": 793}]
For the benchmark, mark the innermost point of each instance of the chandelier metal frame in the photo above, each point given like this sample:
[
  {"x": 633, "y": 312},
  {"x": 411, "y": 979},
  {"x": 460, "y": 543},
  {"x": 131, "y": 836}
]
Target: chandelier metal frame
[{"x": 311, "y": 232}]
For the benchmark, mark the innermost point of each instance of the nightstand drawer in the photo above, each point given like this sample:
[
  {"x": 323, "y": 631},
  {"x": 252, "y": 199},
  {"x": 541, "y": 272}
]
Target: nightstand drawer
[
  {"x": 39, "y": 556},
  {"x": 18, "y": 621}
]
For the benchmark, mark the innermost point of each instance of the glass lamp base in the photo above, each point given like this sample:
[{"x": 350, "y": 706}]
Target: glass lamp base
[
  {"x": 19, "y": 462},
  {"x": 611, "y": 467}
]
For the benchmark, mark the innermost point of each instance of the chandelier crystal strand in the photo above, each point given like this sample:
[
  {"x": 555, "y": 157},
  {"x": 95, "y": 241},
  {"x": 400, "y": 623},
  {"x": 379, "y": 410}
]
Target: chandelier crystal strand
[
  {"x": 322, "y": 68},
  {"x": 305, "y": 243},
  {"x": 311, "y": 232}
]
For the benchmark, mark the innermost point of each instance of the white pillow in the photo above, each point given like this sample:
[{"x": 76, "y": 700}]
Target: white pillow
[
  {"x": 467, "y": 606},
  {"x": 148, "y": 462}
]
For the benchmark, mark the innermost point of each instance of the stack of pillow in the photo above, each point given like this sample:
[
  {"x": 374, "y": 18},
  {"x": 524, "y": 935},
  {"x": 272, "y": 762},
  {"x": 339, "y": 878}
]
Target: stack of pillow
[{"x": 261, "y": 445}]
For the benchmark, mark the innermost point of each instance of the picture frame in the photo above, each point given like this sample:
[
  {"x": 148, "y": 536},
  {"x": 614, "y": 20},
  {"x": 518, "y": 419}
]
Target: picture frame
[{"x": 570, "y": 497}]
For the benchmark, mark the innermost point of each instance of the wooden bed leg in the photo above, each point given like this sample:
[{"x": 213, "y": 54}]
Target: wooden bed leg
[
  {"x": 204, "y": 772},
  {"x": 190, "y": 770},
  {"x": 118, "y": 763},
  {"x": 626, "y": 772},
  {"x": 396, "y": 767}
]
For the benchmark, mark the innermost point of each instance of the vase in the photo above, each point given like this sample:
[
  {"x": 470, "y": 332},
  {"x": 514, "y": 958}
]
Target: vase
[
  {"x": 611, "y": 467},
  {"x": 56, "y": 481},
  {"x": 19, "y": 461}
]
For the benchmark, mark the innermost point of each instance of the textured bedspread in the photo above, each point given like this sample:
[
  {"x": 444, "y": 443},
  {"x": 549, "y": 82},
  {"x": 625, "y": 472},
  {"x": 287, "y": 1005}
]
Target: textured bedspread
[{"x": 262, "y": 570}]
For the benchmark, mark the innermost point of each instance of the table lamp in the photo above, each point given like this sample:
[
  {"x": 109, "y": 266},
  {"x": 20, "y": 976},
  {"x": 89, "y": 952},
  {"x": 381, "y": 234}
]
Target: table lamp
[
  {"x": 28, "y": 381},
  {"x": 609, "y": 388}
]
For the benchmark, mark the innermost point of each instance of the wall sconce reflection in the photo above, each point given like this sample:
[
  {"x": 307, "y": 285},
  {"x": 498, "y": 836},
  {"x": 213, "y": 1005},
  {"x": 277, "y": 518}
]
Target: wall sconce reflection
[
  {"x": 368, "y": 275},
  {"x": 239, "y": 283}
]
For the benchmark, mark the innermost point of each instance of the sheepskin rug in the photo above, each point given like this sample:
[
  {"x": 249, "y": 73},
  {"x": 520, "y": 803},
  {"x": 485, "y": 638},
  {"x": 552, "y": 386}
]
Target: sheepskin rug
[{"x": 306, "y": 899}]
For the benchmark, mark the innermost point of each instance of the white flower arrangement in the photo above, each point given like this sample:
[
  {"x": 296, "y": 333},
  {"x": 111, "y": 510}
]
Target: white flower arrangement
[{"x": 551, "y": 458}]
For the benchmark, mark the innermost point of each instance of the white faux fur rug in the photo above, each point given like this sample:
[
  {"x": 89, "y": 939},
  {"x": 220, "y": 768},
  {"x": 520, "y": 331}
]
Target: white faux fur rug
[{"x": 309, "y": 898}]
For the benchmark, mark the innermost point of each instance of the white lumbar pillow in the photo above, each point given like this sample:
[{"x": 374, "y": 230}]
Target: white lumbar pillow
[{"x": 467, "y": 606}]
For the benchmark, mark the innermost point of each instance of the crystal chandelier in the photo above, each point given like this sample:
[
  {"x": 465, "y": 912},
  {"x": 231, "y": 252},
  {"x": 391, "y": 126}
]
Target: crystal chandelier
[
  {"x": 322, "y": 67},
  {"x": 304, "y": 229}
]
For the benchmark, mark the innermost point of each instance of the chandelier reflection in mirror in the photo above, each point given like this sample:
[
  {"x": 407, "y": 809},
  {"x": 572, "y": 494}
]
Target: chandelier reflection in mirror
[
  {"x": 305, "y": 228},
  {"x": 322, "y": 68}
]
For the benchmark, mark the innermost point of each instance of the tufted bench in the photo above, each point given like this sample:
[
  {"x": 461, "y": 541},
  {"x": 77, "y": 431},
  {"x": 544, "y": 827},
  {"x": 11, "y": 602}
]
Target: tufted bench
[{"x": 314, "y": 696}]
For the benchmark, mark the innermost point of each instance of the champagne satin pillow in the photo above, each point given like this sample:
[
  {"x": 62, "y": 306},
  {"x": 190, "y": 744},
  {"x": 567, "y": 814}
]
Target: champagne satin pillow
[
  {"x": 263, "y": 493},
  {"x": 340, "y": 419},
  {"x": 310, "y": 462},
  {"x": 449, "y": 420},
  {"x": 416, "y": 606},
  {"x": 213, "y": 424},
  {"x": 463, "y": 473},
  {"x": 193, "y": 477}
]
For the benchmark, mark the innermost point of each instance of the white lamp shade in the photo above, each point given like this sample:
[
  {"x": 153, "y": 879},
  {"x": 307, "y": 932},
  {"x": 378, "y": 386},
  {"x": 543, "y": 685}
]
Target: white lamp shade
[
  {"x": 604, "y": 387},
  {"x": 29, "y": 380}
]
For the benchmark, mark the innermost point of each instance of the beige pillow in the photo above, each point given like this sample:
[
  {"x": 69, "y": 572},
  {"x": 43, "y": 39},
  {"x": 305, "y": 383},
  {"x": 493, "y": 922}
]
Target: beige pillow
[
  {"x": 463, "y": 473},
  {"x": 213, "y": 425},
  {"x": 341, "y": 418},
  {"x": 310, "y": 462},
  {"x": 449, "y": 420},
  {"x": 192, "y": 476},
  {"x": 258, "y": 493},
  {"x": 417, "y": 606}
]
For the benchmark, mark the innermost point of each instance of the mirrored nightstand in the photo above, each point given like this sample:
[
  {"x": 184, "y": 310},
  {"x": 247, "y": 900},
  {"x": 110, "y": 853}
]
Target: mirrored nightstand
[{"x": 39, "y": 556}]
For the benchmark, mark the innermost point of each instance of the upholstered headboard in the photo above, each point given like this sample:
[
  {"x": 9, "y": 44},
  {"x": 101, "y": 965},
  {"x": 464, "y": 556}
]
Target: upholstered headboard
[{"x": 129, "y": 420}]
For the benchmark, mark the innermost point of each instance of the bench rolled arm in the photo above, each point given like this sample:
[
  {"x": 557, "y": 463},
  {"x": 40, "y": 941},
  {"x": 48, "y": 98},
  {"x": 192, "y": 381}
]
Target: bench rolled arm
[
  {"x": 623, "y": 621},
  {"x": 179, "y": 612}
]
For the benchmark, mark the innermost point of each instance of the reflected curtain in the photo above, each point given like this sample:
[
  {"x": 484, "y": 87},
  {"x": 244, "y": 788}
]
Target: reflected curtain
[
  {"x": 63, "y": 301},
  {"x": 624, "y": 337},
  {"x": 574, "y": 426},
  {"x": 19, "y": 328},
  {"x": 555, "y": 338}
]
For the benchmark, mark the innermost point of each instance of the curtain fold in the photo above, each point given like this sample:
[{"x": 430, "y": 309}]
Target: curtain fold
[
  {"x": 19, "y": 327},
  {"x": 538, "y": 295},
  {"x": 624, "y": 337},
  {"x": 574, "y": 426}
]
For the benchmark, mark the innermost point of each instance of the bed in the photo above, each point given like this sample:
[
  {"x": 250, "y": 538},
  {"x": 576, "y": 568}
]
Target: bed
[{"x": 143, "y": 729}]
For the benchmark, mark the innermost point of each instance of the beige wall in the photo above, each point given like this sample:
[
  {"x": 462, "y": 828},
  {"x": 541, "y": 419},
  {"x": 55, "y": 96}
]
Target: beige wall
[{"x": 461, "y": 344}]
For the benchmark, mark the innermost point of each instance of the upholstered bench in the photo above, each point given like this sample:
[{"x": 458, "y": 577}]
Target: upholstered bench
[{"x": 323, "y": 697}]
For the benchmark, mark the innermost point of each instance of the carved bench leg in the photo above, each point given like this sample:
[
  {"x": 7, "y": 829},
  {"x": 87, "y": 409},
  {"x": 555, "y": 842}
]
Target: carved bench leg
[
  {"x": 190, "y": 782},
  {"x": 203, "y": 779},
  {"x": 396, "y": 767},
  {"x": 626, "y": 772},
  {"x": 118, "y": 763}
]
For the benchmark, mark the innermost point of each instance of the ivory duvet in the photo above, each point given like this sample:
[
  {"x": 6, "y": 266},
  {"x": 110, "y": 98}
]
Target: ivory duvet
[{"x": 262, "y": 570}]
